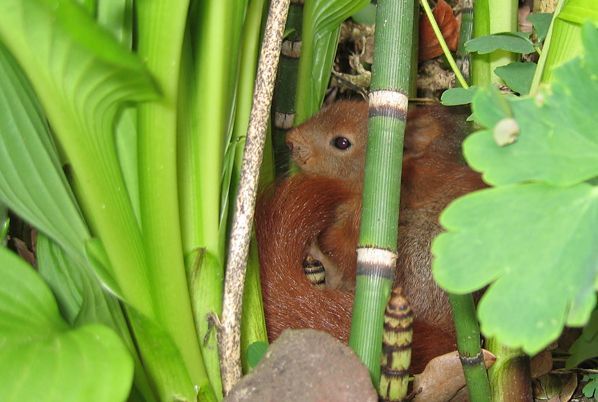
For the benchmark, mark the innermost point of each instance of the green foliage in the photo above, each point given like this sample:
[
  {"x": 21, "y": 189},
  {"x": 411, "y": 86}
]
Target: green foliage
[
  {"x": 77, "y": 101},
  {"x": 42, "y": 358},
  {"x": 256, "y": 352},
  {"x": 458, "y": 96},
  {"x": 518, "y": 76},
  {"x": 586, "y": 346},
  {"x": 516, "y": 42},
  {"x": 532, "y": 238},
  {"x": 541, "y": 23},
  {"x": 321, "y": 27},
  {"x": 590, "y": 390}
]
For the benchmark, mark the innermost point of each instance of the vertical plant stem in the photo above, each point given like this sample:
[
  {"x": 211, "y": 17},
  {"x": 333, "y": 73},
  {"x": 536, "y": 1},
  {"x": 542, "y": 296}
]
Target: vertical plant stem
[
  {"x": 465, "y": 34},
  {"x": 492, "y": 16},
  {"x": 443, "y": 45},
  {"x": 376, "y": 252},
  {"x": 283, "y": 104},
  {"x": 510, "y": 376},
  {"x": 160, "y": 35},
  {"x": 468, "y": 343},
  {"x": 230, "y": 333},
  {"x": 212, "y": 64}
]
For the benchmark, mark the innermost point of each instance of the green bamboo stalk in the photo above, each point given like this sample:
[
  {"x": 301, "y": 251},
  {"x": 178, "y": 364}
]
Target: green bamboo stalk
[
  {"x": 510, "y": 376},
  {"x": 468, "y": 343},
  {"x": 160, "y": 36},
  {"x": 376, "y": 252},
  {"x": 283, "y": 103},
  {"x": 492, "y": 16}
]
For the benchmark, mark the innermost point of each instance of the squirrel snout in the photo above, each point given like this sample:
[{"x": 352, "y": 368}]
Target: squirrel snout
[{"x": 290, "y": 145}]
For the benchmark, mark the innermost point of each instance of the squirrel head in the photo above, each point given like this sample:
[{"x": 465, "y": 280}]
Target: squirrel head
[{"x": 332, "y": 143}]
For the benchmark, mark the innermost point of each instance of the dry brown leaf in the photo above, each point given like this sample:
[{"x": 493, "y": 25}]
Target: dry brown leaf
[
  {"x": 541, "y": 363},
  {"x": 555, "y": 388},
  {"x": 443, "y": 378},
  {"x": 449, "y": 27}
]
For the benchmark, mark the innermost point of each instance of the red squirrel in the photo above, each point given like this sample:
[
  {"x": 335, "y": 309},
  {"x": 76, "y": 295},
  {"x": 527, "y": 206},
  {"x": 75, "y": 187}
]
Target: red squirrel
[{"x": 317, "y": 211}]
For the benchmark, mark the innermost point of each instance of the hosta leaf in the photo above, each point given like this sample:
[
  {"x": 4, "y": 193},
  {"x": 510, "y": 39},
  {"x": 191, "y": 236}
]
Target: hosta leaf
[
  {"x": 535, "y": 245},
  {"x": 83, "y": 77},
  {"x": 321, "y": 24},
  {"x": 557, "y": 141},
  {"x": 42, "y": 358},
  {"x": 31, "y": 179}
]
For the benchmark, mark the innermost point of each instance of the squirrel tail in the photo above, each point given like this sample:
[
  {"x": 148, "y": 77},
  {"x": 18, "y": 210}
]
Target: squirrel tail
[{"x": 288, "y": 221}]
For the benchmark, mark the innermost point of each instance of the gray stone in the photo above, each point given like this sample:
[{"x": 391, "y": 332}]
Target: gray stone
[{"x": 306, "y": 366}]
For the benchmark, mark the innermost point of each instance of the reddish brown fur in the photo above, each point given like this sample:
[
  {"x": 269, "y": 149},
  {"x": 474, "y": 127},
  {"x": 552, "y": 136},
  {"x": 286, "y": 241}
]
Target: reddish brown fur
[{"x": 326, "y": 208}]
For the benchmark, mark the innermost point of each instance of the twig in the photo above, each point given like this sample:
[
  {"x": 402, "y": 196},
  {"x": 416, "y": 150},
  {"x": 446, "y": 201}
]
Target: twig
[{"x": 229, "y": 338}]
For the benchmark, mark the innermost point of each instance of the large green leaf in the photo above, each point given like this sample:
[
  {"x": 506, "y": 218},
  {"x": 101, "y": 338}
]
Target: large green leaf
[
  {"x": 31, "y": 179},
  {"x": 533, "y": 238},
  {"x": 83, "y": 77},
  {"x": 42, "y": 358},
  {"x": 537, "y": 244}
]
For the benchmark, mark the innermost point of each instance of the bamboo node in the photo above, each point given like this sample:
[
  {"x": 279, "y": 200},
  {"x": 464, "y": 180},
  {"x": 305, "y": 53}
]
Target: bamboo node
[
  {"x": 291, "y": 49},
  {"x": 388, "y": 103},
  {"x": 284, "y": 121}
]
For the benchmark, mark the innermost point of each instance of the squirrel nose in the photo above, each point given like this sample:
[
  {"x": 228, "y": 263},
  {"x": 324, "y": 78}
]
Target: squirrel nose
[{"x": 290, "y": 145}]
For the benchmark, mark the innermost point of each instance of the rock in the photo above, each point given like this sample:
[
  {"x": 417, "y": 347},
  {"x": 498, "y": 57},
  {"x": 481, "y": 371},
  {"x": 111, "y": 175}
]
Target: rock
[{"x": 306, "y": 365}]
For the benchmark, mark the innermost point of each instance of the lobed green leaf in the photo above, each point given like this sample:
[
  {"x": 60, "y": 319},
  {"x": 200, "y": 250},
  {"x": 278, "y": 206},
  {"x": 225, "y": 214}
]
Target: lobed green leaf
[
  {"x": 557, "y": 141},
  {"x": 534, "y": 245},
  {"x": 541, "y": 23},
  {"x": 458, "y": 96},
  {"x": 515, "y": 42},
  {"x": 518, "y": 76}
]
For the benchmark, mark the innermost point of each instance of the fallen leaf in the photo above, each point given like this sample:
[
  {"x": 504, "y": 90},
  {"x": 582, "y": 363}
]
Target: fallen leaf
[
  {"x": 429, "y": 47},
  {"x": 541, "y": 363},
  {"x": 443, "y": 377}
]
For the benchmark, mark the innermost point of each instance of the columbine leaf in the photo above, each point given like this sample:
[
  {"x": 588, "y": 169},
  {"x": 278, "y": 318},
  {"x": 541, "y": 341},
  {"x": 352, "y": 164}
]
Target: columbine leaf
[
  {"x": 515, "y": 42},
  {"x": 557, "y": 141},
  {"x": 518, "y": 76},
  {"x": 458, "y": 96},
  {"x": 541, "y": 23},
  {"x": 42, "y": 358},
  {"x": 536, "y": 243}
]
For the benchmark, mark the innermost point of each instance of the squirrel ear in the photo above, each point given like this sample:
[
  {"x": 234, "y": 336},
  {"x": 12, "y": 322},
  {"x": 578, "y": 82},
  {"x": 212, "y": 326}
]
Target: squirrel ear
[{"x": 422, "y": 129}]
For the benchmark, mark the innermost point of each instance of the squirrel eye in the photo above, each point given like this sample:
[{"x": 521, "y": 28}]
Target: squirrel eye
[{"x": 341, "y": 143}]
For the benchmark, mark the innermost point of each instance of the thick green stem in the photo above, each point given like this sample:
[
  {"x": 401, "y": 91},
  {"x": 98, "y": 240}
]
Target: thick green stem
[
  {"x": 510, "y": 376},
  {"x": 160, "y": 35},
  {"x": 468, "y": 343},
  {"x": 283, "y": 104},
  {"x": 376, "y": 253},
  {"x": 492, "y": 16}
]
